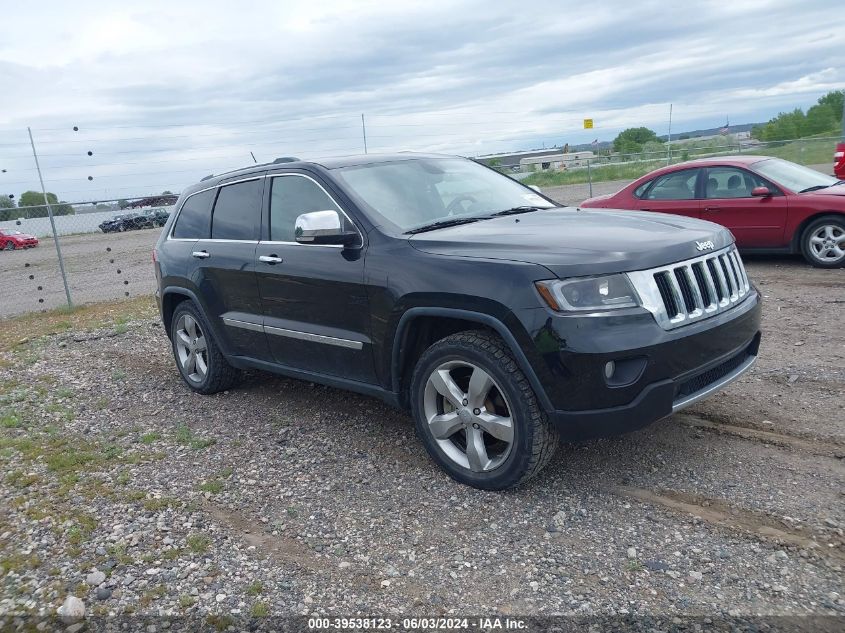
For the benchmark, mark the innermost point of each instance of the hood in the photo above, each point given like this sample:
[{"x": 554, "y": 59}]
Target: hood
[{"x": 575, "y": 242}]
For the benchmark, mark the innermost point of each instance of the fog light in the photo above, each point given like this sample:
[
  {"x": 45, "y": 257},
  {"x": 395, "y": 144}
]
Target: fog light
[{"x": 609, "y": 369}]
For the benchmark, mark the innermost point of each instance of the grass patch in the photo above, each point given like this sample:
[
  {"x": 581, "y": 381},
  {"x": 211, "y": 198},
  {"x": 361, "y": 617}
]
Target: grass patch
[
  {"x": 260, "y": 610},
  {"x": 186, "y": 601},
  {"x": 214, "y": 486},
  {"x": 162, "y": 503},
  {"x": 254, "y": 588},
  {"x": 198, "y": 543},
  {"x": 186, "y": 437},
  {"x": 19, "y": 479},
  {"x": 87, "y": 317},
  {"x": 10, "y": 421},
  {"x": 149, "y": 438},
  {"x": 118, "y": 375}
]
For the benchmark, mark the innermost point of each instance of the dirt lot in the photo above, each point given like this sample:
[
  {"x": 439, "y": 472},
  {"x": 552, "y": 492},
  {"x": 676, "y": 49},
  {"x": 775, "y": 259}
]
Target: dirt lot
[
  {"x": 99, "y": 267},
  {"x": 126, "y": 490}
]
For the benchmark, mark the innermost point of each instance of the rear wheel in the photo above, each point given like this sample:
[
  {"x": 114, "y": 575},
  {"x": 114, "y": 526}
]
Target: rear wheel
[
  {"x": 823, "y": 242},
  {"x": 198, "y": 358},
  {"x": 476, "y": 412}
]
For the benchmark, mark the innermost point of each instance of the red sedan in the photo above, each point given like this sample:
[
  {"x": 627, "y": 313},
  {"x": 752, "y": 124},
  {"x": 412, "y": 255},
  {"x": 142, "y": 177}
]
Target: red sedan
[
  {"x": 10, "y": 240},
  {"x": 770, "y": 204}
]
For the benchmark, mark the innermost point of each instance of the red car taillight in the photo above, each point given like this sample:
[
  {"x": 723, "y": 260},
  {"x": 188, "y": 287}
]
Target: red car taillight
[{"x": 839, "y": 161}]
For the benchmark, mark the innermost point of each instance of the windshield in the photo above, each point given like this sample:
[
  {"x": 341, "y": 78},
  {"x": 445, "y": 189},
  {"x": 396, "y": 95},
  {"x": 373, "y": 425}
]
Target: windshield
[
  {"x": 409, "y": 194},
  {"x": 792, "y": 176}
]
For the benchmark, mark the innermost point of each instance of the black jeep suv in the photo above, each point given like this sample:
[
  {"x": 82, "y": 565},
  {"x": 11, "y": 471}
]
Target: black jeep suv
[{"x": 500, "y": 321}]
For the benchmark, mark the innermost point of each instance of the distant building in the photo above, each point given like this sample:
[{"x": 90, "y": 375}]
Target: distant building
[{"x": 556, "y": 162}]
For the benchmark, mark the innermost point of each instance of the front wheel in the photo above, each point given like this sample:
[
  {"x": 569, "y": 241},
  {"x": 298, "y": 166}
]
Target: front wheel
[
  {"x": 198, "y": 358},
  {"x": 477, "y": 414},
  {"x": 823, "y": 242},
  {"x": 10, "y": 246}
]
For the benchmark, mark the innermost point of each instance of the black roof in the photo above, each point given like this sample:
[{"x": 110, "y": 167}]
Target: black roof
[{"x": 325, "y": 163}]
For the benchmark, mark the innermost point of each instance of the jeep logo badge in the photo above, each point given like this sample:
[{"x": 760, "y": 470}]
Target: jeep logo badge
[{"x": 704, "y": 246}]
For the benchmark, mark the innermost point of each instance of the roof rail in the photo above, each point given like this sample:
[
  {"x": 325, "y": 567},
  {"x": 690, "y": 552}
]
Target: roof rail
[
  {"x": 209, "y": 177},
  {"x": 285, "y": 159}
]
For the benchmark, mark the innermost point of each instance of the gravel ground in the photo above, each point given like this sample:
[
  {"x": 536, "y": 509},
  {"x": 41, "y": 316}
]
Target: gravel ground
[{"x": 127, "y": 491}]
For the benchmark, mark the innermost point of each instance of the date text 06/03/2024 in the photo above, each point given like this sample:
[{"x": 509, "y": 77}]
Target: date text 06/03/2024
[{"x": 422, "y": 623}]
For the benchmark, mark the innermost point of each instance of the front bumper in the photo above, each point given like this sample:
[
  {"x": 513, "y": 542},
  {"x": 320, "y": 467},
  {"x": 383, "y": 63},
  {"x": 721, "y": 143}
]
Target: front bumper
[{"x": 658, "y": 372}]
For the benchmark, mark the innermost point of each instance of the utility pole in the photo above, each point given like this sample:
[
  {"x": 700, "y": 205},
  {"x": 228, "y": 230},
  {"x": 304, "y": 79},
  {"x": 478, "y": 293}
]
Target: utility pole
[
  {"x": 52, "y": 221},
  {"x": 669, "y": 138},
  {"x": 364, "y": 132}
]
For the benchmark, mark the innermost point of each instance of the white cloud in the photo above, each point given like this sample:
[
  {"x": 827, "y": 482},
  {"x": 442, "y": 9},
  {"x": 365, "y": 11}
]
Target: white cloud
[{"x": 166, "y": 92}]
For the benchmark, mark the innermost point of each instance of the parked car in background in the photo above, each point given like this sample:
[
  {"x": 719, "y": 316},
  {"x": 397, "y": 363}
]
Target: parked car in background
[
  {"x": 498, "y": 320},
  {"x": 155, "y": 217},
  {"x": 124, "y": 222},
  {"x": 770, "y": 204},
  {"x": 839, "y": 161},
  {"x": 11, "y": 239}
]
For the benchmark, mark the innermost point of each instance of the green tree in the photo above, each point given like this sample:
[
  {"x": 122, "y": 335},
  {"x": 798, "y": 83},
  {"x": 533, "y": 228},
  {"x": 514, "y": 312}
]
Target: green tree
[
  {"x": 631, "y": 141},
  {"x": 825, "y": 116},
  {"x": 35, "y": 200},
  {"x": 7, "y": 208},
  {"x": 122, "y": 204}
]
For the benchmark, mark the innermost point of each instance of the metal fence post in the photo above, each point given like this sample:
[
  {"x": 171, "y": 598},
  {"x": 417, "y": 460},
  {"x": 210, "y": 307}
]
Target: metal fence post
[
  {"x": 52, "y": 221},
  {"x": 590, "y": 176}
]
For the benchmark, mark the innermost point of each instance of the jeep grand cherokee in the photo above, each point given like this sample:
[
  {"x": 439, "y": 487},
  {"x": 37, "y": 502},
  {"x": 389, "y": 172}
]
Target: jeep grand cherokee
[{"x": 499, "y": 320}]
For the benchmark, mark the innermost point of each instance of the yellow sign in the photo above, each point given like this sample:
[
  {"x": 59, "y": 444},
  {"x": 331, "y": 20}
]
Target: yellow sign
[{"x": 588, "y": 124}]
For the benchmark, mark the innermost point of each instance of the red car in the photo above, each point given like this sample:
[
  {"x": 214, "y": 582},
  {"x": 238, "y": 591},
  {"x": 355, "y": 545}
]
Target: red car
[
  {"x": 770, "y": 204},
  {"x": 839, "y": 161},
  {"x": 10, "y": 240}
]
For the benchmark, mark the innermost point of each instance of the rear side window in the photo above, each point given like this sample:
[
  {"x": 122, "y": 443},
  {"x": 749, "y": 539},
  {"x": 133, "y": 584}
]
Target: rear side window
[
  {"x": 237, "y": 212},
  {"x": 194, "y": 221},
  {"x": 640, "y": 191},
  {"x": 290, "y": 197},
  {"x": 677, "y": 185}
]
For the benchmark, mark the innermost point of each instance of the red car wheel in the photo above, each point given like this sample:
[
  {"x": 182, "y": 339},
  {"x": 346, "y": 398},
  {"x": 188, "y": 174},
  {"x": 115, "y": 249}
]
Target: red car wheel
[{"x": 9, "y": 246}]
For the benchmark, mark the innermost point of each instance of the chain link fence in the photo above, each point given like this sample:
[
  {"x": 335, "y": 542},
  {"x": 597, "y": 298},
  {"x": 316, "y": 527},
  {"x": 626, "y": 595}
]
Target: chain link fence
[{"x": 107, "y": 254}]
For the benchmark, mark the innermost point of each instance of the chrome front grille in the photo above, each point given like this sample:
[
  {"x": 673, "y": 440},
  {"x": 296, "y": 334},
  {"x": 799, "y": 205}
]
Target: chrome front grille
[{"x": 693, "y": 289}]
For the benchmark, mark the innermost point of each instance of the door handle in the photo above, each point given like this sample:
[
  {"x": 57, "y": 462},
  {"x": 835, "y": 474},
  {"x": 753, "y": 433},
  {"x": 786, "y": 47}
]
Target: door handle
[
  {"x": 270, "y": 259},
  {"x": 201, "y": 254},
  {"x": 645, "y": 209},
  {"x": 711, "y": 208}
]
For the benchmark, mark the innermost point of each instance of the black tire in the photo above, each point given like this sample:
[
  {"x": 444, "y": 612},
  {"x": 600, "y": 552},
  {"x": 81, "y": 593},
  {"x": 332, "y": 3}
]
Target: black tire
[
  {"x": 220, "y": 375},
  {"x": 534, "y": 438},
  {"x": 837, "y": 223},
  {"x": 9, "y": 246}
]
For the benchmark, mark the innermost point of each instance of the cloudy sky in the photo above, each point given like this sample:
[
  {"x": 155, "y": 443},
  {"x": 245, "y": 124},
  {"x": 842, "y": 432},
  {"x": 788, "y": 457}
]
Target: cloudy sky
[{"x": 164, "y": 93}]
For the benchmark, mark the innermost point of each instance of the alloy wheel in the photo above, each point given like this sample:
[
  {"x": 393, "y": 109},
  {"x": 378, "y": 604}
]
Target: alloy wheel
[
  {"x": 191, "y": 348},
  {"x": 827, "y": 243},
  {"x": 468, "y": 416}
]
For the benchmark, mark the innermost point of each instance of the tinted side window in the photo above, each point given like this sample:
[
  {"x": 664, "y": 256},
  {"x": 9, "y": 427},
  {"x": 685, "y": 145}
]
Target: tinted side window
[
  {"x": 194, "y": 221},
  {"x": 731, "y": 182},
  {"x": 639, "y": 191},
  {"x": 678, "y": 185},
  {"x": 237, "y": 212},
  {"x": 290, "y": 197}
]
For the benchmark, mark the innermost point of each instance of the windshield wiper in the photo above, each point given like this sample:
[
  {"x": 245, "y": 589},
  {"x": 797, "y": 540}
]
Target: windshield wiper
[
  {"x": 442, "y": 224},
  {"x": 814, "y": 188},
  {"x": 516, "y": 210}
]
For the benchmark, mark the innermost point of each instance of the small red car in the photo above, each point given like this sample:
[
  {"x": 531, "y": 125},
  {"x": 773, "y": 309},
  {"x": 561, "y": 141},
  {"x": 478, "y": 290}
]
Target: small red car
[
  {"x": 839, "y": 161},
  {"x": 770, "y": 204},
  {"x": 10, "y": 240}
]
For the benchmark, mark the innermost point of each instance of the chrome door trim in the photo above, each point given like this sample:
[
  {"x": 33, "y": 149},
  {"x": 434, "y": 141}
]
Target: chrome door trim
[
  {"x": 314, "y": 338},
  {"x": 244, "y": 325}
]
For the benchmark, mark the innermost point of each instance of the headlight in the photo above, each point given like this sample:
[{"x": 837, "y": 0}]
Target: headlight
[{"x": 609, "y": 292}]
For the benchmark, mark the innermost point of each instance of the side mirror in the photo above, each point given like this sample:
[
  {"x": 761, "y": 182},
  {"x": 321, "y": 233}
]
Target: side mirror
[
  {"x": 760, "y": 192},
  {"x": 322, "y": 227},
  {"x": 535, "y": 188}
]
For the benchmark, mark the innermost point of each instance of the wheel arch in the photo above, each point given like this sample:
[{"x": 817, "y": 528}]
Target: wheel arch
[
  {"x": 795, "y": 244},
  {"x": 435, "y": 323}
]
